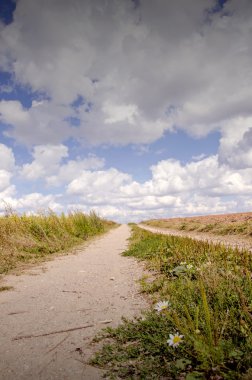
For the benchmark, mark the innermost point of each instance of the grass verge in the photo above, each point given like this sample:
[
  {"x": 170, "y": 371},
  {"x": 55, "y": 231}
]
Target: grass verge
[
  {"x": 202, "y": 330},
  {"x": 29, "y": 239}
]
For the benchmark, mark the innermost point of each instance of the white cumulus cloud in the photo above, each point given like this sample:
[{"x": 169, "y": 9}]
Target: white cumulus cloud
[
  {"x": 46, "y": 160},
  {"x": 126, "y": 72},
  {"x": 7, "y": 159},
  {"x": 141, "y": 70}
]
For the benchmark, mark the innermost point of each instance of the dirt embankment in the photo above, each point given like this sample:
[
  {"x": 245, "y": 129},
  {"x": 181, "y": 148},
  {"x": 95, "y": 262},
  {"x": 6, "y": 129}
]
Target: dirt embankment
[
  {"x": 233, "y": 241},
  {"x": 230, "y": 229}
]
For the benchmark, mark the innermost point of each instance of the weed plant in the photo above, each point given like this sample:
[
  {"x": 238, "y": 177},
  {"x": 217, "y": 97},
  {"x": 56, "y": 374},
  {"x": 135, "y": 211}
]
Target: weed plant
[
  {"x": 26, "y": 238},
  {"x": 201, "y": 330}
]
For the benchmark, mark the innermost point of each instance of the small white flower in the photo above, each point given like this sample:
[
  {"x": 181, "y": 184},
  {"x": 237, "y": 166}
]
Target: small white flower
[
  {"x": 162, "y": 305},
  {"x": 175, "y": 340},
  {"x": 183, "y": 263},
  {"x": 189, "y": 266}
]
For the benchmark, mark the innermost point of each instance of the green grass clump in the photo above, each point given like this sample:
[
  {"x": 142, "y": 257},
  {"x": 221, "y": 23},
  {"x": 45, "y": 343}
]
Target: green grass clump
[
  {"x": 25, "y": 239},
  {"x": 209, "y": 292}
]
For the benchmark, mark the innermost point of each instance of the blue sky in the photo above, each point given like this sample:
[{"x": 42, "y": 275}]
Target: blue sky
[{"x": 134, "y": 109}]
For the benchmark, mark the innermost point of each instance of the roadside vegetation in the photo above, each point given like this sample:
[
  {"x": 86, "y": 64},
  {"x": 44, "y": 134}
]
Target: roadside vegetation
[
  {"x": 239, "y": 224},
  {"x": 200, "y": 323},
  {"x": 29, "y": 239}
]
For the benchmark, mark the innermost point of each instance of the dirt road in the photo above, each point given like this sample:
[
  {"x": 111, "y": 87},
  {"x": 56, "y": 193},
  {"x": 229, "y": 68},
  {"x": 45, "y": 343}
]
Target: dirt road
[
  {"x": 228, "y": 240},
  {"x": 49, "y": 318}
]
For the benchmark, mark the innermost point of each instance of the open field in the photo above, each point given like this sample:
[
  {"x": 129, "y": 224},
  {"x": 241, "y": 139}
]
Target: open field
[
  {"x": 239, "y": 224},
  {"x": 203, "y": 327},
  {"x": 30, "y": 239}
]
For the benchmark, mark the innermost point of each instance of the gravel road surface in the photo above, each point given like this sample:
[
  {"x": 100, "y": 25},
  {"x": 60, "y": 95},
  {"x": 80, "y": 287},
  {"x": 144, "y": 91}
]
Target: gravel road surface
[{"x": 49, "y": 318}]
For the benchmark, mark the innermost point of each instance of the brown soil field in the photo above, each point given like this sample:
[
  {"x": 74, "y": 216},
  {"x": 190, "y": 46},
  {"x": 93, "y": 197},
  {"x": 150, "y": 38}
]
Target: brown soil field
[
  {"x": 238, "y": 224},
  {"x": 221, "y": 218}
]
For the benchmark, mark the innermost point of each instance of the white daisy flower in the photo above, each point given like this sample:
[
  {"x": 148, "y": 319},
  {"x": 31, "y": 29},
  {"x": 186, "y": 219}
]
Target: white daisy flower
[
  {"x": 162, "y": 305},
  {"x": 189, "y": 266},
  {"x": 175, "y": 340}
]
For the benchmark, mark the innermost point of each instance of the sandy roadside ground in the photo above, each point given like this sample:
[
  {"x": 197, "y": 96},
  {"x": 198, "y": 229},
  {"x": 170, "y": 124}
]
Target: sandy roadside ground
[
  {"x": 50, "y": 317},
  {"x": 228, "y": 240}
]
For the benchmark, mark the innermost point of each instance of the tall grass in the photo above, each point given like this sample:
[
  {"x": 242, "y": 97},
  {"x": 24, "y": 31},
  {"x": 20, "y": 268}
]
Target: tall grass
[
  {"x": 26, "y": 238},
  {"x": 209, "y": 292}
]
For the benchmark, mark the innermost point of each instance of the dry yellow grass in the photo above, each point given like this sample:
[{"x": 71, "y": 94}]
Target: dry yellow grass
[{"x": 28, "y": 239}]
